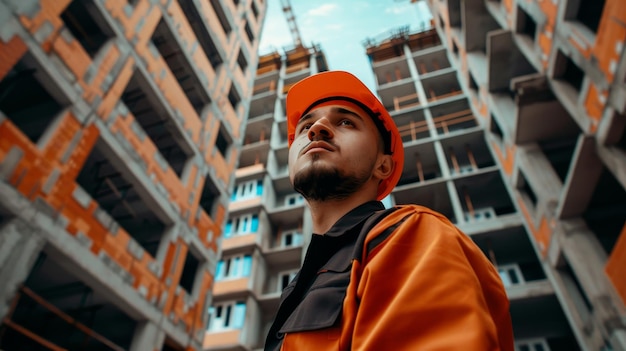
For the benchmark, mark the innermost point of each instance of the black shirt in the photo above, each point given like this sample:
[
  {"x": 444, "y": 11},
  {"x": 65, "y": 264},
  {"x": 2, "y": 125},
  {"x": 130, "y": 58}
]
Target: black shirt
[{"x": 302, "y": 308}]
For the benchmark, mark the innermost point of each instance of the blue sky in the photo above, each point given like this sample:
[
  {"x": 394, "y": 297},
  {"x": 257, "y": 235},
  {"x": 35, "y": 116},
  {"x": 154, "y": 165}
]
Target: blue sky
[{"x": 340, "y": 27}]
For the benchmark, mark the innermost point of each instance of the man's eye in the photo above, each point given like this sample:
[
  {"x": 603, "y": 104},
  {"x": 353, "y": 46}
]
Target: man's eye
[
  {"x": 346, "y": 122},
  {"x": 305, "y": 127}
]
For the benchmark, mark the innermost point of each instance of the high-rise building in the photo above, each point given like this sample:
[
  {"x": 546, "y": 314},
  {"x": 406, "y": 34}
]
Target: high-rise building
[
  {"x": 513, "y": 120},
  {"x": 547, "y": 84},
  {"x": 263, "y": 242},
  {"x": 449, "y": 167},
  {"x": 121, "y": 124}
]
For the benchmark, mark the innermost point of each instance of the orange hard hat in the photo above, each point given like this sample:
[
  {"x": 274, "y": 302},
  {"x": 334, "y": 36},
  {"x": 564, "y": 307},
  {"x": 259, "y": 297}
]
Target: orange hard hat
[{"x": 343, "y": 86}]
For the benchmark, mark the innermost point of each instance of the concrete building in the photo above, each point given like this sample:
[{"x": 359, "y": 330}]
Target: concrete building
[
  {"x": 121, "y": 125},
  {"x": 449, "y": 167},
  {"x": 547, "y": 83},
  {"x": 509, "y": 129},
  {"x": 263, "y": 242}
]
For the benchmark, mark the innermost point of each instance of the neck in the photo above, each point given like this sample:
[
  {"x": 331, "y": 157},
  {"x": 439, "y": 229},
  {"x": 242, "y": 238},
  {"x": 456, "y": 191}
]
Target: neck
[{"x": 325, "y": 214}]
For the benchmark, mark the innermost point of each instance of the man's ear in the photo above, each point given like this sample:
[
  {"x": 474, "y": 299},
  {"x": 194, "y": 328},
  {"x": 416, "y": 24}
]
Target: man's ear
[{"x": 384, "y": 167}]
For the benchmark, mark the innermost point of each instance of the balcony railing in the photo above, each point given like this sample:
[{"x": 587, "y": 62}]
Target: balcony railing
[
  {"x": 264, "y": 87},
  {"x": 406, "y": 101},
  {"x": 415, "y": 130}
]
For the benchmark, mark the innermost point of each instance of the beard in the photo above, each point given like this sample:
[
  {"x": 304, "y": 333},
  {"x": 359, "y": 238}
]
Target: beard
[{"x": 323, "y": 183}]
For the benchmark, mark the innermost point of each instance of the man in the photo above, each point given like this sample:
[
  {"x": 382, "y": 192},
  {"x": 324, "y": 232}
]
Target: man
[{"x": 374, "y": 279}]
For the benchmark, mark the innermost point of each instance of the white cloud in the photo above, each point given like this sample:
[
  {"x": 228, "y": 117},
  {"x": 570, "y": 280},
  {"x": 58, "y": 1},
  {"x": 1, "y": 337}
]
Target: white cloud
[
  {"x": 399, "y": 9},
  {"x": 323, "y": 10}
]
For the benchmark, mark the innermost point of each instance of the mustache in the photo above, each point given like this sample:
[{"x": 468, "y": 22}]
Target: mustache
[{"x": 306, "y": 146}]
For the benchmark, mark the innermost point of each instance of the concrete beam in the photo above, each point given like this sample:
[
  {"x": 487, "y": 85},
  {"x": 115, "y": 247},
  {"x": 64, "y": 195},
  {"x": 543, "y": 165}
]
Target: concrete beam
[
  {"x": 20, "y": 244},
  {"x": 477, "y": 22},
  {"x": 506, "y": 61},
  {"x": 586, "y": 258},
  {"x": 148, "y": 336},
  {"x": 584, "y": 173},
  {"x": 540, "y": 116}
]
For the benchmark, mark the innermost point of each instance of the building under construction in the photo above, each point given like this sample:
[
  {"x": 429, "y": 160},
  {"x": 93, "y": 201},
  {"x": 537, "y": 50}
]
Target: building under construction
[
  {"x": 546, "y": 82},
  {"x": 121, "y": 124},
  {"x": 263, "y": 240},
  {"x": 520, "y": 142}
]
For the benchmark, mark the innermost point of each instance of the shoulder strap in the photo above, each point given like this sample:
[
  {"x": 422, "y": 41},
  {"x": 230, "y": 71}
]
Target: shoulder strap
[{"x": 370, "y": 223}]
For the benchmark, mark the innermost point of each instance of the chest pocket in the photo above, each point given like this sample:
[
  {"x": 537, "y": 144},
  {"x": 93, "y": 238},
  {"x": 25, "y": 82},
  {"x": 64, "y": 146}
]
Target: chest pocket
[{"x": 322, "y": 305}]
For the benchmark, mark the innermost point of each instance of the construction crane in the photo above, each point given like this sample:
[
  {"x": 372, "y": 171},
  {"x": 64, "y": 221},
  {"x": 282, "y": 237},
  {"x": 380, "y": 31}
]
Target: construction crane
[{"x": 291, "y": 21}]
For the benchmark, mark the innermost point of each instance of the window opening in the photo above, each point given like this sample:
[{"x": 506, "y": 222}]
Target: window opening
[
  {"x": 201, "y": 32},
  {"x": 174, "y": 57},
  {"x": 25, "y": 101},
  {"x": 190, "y": 270},
  {"x": 221, "y": 16},
  {"x": 143, "y": 103},
  {"x": 118, "y": 197},
  {"x": 84, "y": 20}
]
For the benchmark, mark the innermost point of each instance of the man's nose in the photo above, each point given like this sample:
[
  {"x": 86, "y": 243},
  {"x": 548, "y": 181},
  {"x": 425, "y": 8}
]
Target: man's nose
[{"x": 321, "y": 129}]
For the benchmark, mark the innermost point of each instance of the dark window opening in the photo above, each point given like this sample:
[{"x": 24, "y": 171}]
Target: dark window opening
[
  {"x": 532, "y": 271},
  {"x": 472, "y": 83},
  {"x": 210, "y": 196},
  {"x": 590, "y": 13},
  {"x": 233, "y": 97},
  {"x": 171, "y": 345},
  {"x": 524, "y": 188},
  {"x": 454, "y": 13},
  {"x": 60, "y": 309},
  {"x": 25, "y": 101},
  {"x": 606, "y": 210},
  {"x": 621, "y": 143},
  {"x": 255, "y": 10},
  {"x": 201, "y": 32},
  {"x": 285, "y": 279},
  {"x": 143, "y": 103},
  {"x": 569, "y": 71},
  {"x": 559, "y": 153},
  {"x": 221, "y": 16},
  {"x": 87, "y": 25},
  {"x": 222, "y": 143},
  {"x": 494, "y": 127},
  {"x": 188, "y": 277},
  {"x": 227, "y": 316},
  {"x": 241, "y": 60},
  {"x": 119, "y": 199},
  {"x": 455, "y": 49},
  {"x": 525, "y": 24},
  {"x": 249, "y": 33},
  {"x": 173, "y": 55}
]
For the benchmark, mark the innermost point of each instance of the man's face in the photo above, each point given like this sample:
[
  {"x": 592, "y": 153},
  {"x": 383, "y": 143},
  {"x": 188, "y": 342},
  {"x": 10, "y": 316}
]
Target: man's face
[{"x": 334, "y": 152}]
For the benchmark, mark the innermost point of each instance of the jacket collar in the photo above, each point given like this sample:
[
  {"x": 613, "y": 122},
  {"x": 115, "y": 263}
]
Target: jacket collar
[{"x": 353, "y": 218}]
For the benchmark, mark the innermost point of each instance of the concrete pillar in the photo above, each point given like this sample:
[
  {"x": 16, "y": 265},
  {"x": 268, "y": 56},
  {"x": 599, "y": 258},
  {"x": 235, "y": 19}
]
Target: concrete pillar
[
  {"x": 20, "y": 245},
  {"x": 587, "y": 258},
  {"x": 148, "y": 337},
  {"x": 618, "y": 340}
]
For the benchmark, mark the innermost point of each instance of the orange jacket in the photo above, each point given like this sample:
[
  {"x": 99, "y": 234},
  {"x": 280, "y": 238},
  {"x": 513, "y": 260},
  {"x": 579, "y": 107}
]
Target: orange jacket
[{"x": 423, "y": 286}]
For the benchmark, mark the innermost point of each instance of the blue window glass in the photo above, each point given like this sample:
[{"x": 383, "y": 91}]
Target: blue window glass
[
  {"x": 247, "y": 266},
  {"x": 259, "y": 187},
  {"x": 219, "y": 272},
  {"x": 255, "y": 223},
  {"x": 229, "y": 229},
  {"x": 239, "y": 315}
]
